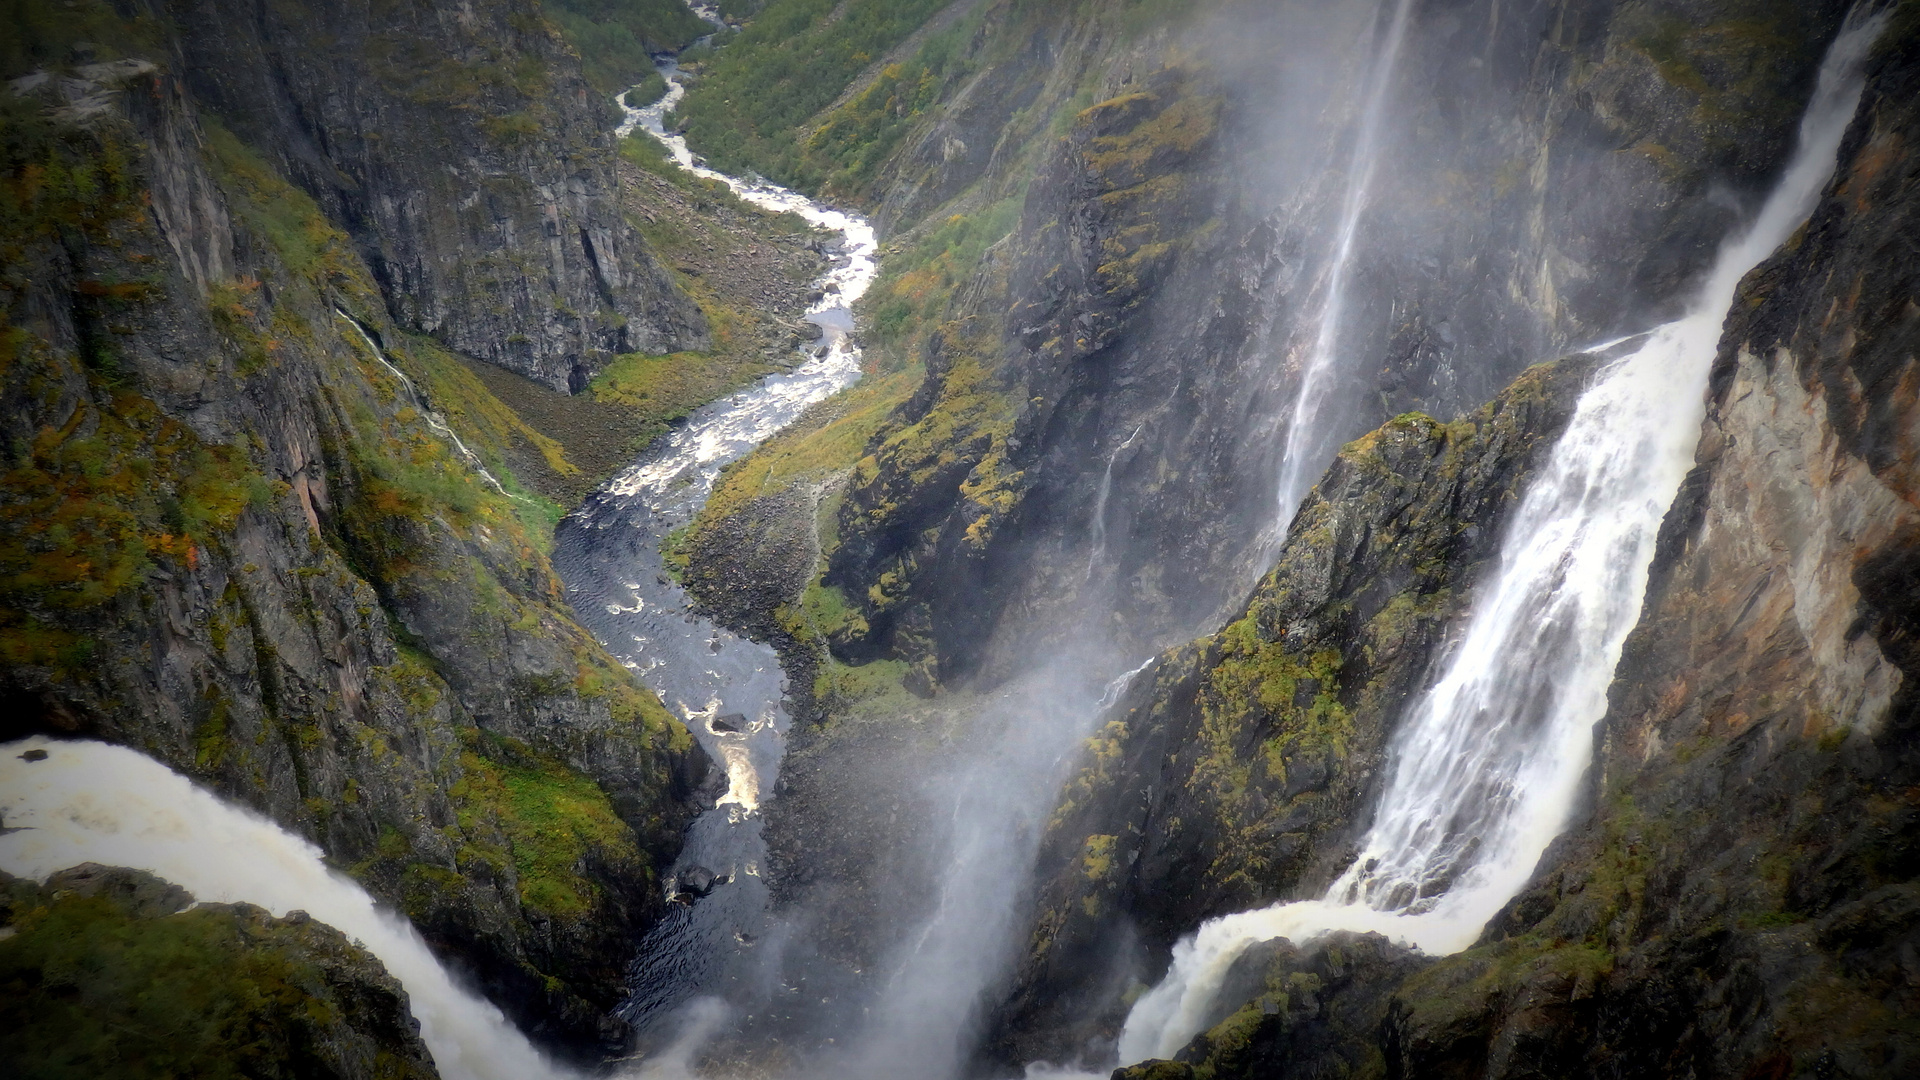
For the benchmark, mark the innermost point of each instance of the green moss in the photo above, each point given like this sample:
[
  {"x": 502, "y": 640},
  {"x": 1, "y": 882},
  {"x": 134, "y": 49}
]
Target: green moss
[
  {"x": 917, "y": 281},
  {"x": 555, "y": 821},
  {"x": 87, "y": 989},
  {"x": 283, "y": 215},
  {"x": 87, "y": 507}
]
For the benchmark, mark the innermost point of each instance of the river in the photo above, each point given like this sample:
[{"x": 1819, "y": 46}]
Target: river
[
  {"x": 728, "y": 689},
  {"x": 80, "y": 801}
]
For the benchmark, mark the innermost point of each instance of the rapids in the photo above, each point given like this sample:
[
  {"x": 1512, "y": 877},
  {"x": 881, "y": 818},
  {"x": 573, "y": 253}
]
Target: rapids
[{"x": 728, "y": 689}]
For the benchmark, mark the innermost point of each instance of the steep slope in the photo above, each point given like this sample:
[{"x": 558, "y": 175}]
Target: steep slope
[
  {"x": 245, "y": 994},
  {"x": 468, "y": 160},
  {"x": 235, "y": 535},
  {"x": 1739, "y": 900},
  {"x": 1143, "y": 329},
  {"x": 1241, "y": 771},
  {"x": 1112, "y": 232}
]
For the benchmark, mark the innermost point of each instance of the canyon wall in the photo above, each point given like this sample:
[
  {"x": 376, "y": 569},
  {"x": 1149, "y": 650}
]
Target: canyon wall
[{"x": 235, "y": 533}]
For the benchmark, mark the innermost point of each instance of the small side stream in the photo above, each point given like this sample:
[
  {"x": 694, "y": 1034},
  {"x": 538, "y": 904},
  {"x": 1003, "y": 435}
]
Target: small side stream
[{"x": 729, "y": 690}]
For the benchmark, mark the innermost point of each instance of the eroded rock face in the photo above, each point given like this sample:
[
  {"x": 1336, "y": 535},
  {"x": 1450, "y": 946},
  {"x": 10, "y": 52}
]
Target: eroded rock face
[
  {"x": 1740, "y": 899},
  {"x": 1132, "y": 350},
  {"x": 468, "y": 159},
  {"x": 222, "y": 988},
  {"x": 233, "y": 541}
]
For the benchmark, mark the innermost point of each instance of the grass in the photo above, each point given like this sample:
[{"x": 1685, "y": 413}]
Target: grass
[
  {"x": 88, "y": 989},
  {"x": 554, "y": 819}
]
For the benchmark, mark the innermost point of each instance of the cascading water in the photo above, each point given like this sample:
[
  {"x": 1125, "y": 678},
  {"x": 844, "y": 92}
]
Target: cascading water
[
  {"x": 1000, "y": 796},
  {"x": 434, "y": 420},
  {"x": 90, "y": 802},
  {"x": 1307, "y": 432},
  {"x": 1098, "y": 527},
  {"x": 1488, "y": 764},
  {"x": 728, "y": 689}
]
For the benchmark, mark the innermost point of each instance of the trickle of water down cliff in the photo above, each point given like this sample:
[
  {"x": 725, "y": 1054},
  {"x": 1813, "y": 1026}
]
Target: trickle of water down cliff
[{"x": 1483, "y": 771}]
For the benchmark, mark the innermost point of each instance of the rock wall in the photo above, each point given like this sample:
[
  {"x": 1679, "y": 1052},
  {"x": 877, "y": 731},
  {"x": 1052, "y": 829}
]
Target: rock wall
[
  {"x": 468, "y": 159},
  {"x": 1740, "y": 898},
  {"x": 1241, "y": 770},
  {"x": 232, "y": 537},
  {"x": 1554, "y": 174}
]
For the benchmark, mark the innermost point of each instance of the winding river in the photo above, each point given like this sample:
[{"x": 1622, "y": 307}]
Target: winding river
[{"x": 729, "y": 690}]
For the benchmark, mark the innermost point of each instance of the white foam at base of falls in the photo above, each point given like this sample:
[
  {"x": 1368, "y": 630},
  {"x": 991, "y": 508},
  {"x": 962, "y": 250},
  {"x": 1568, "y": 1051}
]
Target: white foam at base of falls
[
  {"x": 1488, "y": 763},
  {"x": 91, "y": 802}
]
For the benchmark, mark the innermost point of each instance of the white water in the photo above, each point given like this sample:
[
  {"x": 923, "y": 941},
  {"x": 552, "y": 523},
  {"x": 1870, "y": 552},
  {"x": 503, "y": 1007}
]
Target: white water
[
  {"x": 718, "y": 436},
  {"x": 91, "y": 802},
  {"x": 1098, "y": 548},
  {"x": 1304, "y": 431},
  {"x": 434, "y": 420},
  {"x": 1489, "y": 762}
]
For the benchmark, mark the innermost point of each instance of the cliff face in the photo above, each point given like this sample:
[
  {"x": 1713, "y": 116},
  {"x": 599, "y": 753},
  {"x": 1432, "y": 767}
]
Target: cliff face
[
  {"x": 1238, "y": 773},
  {"x": 1087, "y": 382},
  {"x": 1740, "y": 897},
  {"x": 467, "y": 158},
  {"x": 245, "y": 994},
  {"x": 1129, "y": 351},
  {"x": 233, "y": 536}
]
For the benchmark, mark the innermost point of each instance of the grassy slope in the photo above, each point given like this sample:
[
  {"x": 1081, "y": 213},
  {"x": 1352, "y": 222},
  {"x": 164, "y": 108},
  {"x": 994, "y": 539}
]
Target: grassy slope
[{"x": 756, "y": 94}]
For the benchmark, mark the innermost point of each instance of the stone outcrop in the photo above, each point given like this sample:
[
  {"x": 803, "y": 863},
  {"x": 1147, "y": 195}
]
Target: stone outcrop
[
  {"x": 468, "y": 159},
  {"x": 1141, "y": 330},
  {"x": 1739, "y": 899},
  {"x": 1238, "y": 772},
  {"x": 107, "y": 972},
  {"x": 233, "y": 537}
]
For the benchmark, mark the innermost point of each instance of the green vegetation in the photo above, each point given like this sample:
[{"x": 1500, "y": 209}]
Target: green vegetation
[
  {"x": 89, "y": 988},
  {"x": 917, "y": 281},
  {"x": 755, "y": 95},
  {"x": 556, "y": 823},
  {"x": 616, "y": 38},
  {"x": 107, "y": 485},
  {"x": 843, "y": 155}
]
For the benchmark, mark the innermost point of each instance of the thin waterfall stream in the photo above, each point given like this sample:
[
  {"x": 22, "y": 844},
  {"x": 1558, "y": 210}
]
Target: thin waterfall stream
[
  {"x": 1307, "y": 433},
  {"x": 1488, "y": 763}
]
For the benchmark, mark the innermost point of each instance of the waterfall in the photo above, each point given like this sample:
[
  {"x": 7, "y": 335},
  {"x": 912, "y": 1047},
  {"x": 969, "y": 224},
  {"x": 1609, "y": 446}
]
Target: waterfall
[
  {"x": 1098, "y": 526},
  {"x": 434, "y": 420},
  {"x": 1488, "y": 763},
  {"x": 91, "y": 802},
  {"x": 1317, "y": 375}
]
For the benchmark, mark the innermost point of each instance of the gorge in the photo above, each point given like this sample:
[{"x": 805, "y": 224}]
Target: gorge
[{"x": 961, "y": 540}]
